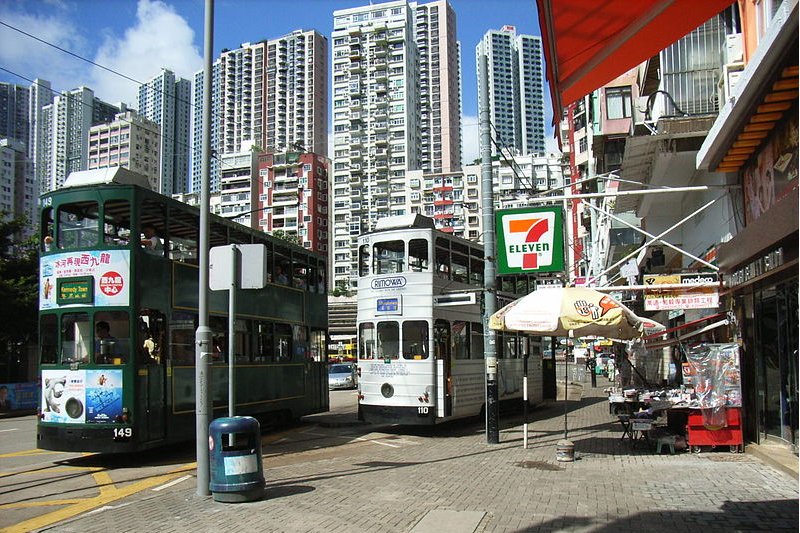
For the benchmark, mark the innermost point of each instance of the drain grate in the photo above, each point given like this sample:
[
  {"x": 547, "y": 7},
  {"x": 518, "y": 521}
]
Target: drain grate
[{"x": 538, "y": 465}]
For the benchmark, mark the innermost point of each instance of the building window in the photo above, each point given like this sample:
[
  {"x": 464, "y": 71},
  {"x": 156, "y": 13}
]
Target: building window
[{"x": 618, "y": 102}]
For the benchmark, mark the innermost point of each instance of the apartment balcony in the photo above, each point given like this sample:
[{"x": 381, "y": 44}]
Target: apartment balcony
[
  {"x": 354, "y": 31},
  {"x": 355, "y": 156},
  {"x": 443, "y": 188},
  {"x": 356, "y": 68},
  {"x": 380, "y": 126},
  {"x": 443, "y": 216},
  {"x": 355, "y": 104},
  {"x": 380, "y": 37},
  {"x": 442, "y": 202}
]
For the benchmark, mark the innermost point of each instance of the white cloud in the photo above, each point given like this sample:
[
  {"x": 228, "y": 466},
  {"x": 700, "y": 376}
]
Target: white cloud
[
  {"x": 28, "y": 58},
  {"x": 159, "y": 38},
  {"x": 470, "y": 139}
]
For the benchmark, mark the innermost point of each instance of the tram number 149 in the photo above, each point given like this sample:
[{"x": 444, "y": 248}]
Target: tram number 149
[
  {"x": 423, "y": 410},
  {"x": 123, "y": 433}
]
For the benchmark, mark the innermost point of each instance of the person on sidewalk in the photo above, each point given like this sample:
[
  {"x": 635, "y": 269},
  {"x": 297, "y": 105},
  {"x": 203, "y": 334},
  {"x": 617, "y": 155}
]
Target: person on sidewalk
[
  {"x": 591, "y": 366},
  {"x": 625, "y": 369}
]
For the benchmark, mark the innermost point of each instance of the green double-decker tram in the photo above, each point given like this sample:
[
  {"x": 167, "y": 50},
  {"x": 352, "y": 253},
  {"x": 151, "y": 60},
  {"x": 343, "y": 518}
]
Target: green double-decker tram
[{"x": 119, "y": 284}]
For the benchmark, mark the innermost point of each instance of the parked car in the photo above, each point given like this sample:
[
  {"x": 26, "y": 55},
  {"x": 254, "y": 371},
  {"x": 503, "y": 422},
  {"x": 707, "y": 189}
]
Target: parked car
[{"x": 342, "y": 376}]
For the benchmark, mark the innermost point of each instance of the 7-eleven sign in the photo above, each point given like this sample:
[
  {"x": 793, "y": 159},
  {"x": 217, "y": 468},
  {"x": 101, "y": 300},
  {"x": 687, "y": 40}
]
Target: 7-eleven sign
[{"x": 530, "y": 240}]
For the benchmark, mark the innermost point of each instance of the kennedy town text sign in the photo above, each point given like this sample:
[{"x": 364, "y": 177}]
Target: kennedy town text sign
[{"x": 530, "y": 240}]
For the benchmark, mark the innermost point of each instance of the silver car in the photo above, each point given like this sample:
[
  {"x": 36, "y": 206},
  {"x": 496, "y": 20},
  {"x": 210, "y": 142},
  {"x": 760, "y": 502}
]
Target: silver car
[{"x": 342, "y": 376}]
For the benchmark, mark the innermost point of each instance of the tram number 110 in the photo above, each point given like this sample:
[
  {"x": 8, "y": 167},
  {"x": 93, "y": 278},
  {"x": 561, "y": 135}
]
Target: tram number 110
[{"x": 423, "y": 410}]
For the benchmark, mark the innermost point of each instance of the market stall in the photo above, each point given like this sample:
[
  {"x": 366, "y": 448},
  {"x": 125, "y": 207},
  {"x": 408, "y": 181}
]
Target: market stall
[{"x": 705, "y": 410}]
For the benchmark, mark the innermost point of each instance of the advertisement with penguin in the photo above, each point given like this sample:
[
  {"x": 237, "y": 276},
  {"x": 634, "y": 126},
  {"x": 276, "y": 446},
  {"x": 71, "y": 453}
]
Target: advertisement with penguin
[{"x": 81, "y": 396}]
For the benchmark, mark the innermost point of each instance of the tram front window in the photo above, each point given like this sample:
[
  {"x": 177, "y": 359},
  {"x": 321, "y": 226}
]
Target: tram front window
[
  {"x": 388, "y": 340},
  {"x": 48, "y": 335},
  {"x": 366, "y": 340},
  {"x": 76, "y": 337},
  {"x": 415, "y": 339}
]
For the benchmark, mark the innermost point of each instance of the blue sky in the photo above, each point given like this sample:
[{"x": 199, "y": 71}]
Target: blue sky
[{"x": 137, "y": 38}]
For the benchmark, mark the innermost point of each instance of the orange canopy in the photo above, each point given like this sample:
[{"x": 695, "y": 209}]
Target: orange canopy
[{"x": 588, "y": 43}]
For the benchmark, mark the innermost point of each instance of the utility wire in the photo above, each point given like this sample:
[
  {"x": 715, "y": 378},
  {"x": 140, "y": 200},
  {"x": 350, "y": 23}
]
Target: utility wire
[
  {"x": 512, "y": 163},
  {"x": 72, "y": 98}
]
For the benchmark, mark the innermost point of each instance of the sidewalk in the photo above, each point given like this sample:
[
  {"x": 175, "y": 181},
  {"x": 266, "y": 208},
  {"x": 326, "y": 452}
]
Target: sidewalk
[{"x": 450, "y": 480}]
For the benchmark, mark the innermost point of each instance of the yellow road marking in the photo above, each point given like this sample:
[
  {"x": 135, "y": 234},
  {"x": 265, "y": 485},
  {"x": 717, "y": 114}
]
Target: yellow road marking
[
  {"x": 104, "y": 482},
  {"x": 88, "y": 504},
  {"x": 43, "y": 503},
  {"x": 108, "y": 493},
  {"x": 26, "y": 453},
  {"x": 49, "y": 470}
]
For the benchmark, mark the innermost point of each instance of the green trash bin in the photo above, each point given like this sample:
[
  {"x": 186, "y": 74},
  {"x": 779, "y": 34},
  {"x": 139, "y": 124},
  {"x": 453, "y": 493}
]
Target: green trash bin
[{"x": 237, "y": 473}]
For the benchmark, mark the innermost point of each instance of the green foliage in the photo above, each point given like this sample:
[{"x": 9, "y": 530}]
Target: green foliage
[
  {"x": 288, "y": 237},
  {"x": 19, "y": 282}
]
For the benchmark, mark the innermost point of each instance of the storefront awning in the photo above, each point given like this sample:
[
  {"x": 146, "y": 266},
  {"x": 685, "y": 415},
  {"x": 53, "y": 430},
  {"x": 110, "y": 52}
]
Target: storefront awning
[{"x": 589, "y": 43}]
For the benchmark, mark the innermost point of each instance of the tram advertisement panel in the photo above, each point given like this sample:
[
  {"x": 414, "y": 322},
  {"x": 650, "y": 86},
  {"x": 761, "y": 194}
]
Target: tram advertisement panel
[
  {"x": 81, "y": 396},
  {"x": 94, "y": 277}
]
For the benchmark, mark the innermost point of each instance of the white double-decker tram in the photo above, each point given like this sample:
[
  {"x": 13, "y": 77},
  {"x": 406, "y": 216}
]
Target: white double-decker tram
[{"x": 420, "y": 331}]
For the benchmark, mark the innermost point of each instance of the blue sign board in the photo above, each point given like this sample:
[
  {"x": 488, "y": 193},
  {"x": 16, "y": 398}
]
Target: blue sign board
[{"x": 388, "y": 305}]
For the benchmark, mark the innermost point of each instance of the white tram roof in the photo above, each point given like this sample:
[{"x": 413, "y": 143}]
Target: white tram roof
[
  {"x": 404, "y": 221},
  {"x": 102, "y": 176}
]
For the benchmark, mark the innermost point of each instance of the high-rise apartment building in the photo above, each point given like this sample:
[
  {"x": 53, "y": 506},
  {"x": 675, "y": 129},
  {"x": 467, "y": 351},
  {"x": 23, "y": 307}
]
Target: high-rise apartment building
[
  {"x": 516, "y": 89},
  {"x": 39, "y": 95},
  {"x": 129, "y": 141},
  {"x": 292, "y": 196},
  {"x": 272, "y": 94},
  {"x": 197, "y": 130},
  {"x": 396, "y": 105},
  {"x": 18, "y": 193},
  {"x": 64, "y": 134},
  {"x": 14, "y": 121},
  {"x": 166, "y": 100}
]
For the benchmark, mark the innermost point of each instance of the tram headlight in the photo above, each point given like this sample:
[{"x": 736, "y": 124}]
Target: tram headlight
[{"x": 387, "y": 390}]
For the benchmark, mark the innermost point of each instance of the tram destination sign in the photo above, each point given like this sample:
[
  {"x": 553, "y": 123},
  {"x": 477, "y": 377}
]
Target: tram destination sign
[
  {"x": 530, "y": 240},
  {"x": 78, "y": 290}
]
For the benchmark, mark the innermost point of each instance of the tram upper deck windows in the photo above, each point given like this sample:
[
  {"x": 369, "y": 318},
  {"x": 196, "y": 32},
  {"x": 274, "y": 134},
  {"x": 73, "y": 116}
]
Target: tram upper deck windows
[
  {"x": 116, "y": 222},
  {"x": 78, "y": 225},
  {"x": 363, "y": 260},
  {"x": 388, "y": 257},
  {"x": 418, "y": 260}
]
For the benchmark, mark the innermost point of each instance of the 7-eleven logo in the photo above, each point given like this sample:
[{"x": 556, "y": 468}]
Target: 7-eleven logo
[{"x": 529, "y": 240}]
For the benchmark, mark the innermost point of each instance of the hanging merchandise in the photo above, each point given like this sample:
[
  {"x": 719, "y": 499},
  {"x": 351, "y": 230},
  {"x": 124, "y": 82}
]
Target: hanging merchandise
[{"x": 714, "y": 373}]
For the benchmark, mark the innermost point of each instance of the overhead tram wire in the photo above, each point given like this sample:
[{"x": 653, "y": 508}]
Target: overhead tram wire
[
  {"x": 512, "y": 163},
  {"x": 214, "y": 155},
  {"x": 87, "y": 60}
]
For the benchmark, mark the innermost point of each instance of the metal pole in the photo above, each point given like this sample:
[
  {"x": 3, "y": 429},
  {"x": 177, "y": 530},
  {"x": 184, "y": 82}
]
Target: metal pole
[
  {"x": 489, "y": 273},
  {"x": 203, "y": 410},
  {"x": 566, "y": 381},
  {"x": 525, "y": 401},
  {"x": 235, "y": 265}
]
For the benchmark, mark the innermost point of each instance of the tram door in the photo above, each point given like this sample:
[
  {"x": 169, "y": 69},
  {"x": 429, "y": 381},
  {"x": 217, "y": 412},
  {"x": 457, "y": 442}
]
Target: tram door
[
  {"x": 443, "y": 351},
  {"x": 152, "y": 374}
]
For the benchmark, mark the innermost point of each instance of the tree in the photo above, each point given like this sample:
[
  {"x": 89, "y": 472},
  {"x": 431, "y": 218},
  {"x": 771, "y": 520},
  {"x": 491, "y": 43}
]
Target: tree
[
  {"x": 288, "y": 237},
  {"x": 19, "y": 283}
]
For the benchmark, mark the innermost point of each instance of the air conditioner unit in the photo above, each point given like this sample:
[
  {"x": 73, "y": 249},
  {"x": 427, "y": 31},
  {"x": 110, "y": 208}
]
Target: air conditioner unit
[{"x": 734, "y": 51}]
